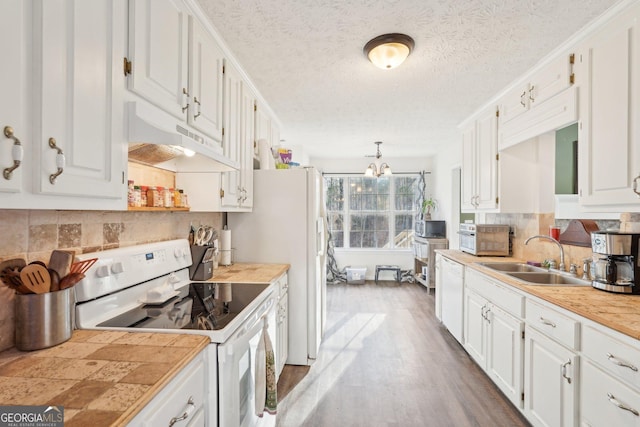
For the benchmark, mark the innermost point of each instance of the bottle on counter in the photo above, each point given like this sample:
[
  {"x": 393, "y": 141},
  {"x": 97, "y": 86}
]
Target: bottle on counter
[
  {"x": 159, "y": 203},
  {"x": 152, "y": 197},
  {"x": 130, "y": 195},
  {"x": 137, "y": 197}
]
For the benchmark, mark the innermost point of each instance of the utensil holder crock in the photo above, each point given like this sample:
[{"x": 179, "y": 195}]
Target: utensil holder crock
[{"x": 44, "y": 320}]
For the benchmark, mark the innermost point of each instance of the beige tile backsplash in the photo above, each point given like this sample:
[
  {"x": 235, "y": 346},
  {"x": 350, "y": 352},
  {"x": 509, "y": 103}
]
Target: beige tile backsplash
[{"x": 33, "y": 234}]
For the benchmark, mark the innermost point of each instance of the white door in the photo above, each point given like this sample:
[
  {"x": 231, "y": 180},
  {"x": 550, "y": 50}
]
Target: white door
[
  {"x": 505, "y": 353},
  {"x": 13, "y": 86},
  {"x": 609, "y": 153},
  {"x": 158, "y": 50},
  {"x": 550, "y": 384},
  {"x": 78, "y": 61},
  {"x": 475, "y": 329},
  {"x": 205, "y": 82},
  {"x": 487, "y": 164},
  {"x": 232, "y": 143}
]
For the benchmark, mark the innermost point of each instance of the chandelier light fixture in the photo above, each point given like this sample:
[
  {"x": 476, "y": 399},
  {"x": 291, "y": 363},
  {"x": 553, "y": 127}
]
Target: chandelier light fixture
[
  {"x": 389, "y": 50},
  {"x": 376, "y": 168}
]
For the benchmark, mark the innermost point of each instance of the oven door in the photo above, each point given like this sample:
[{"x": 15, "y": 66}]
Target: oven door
[{"x": 236, "y": 371}]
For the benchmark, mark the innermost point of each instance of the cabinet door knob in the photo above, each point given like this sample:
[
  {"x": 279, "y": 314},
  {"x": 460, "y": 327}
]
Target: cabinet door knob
[
  {"x": 564, "y": 371},
  {"x": 60, "y": 161},
  {"x": 16, "y": 153}
]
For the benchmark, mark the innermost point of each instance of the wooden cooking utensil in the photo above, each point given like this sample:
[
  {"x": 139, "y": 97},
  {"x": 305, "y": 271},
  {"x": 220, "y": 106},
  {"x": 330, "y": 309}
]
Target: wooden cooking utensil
[
  {"x": 70, "y": 279},
  {"x": 83, "y": 266},
  {"x": 36, "y": 278},
  {"x": 61, "y": 261},
  {"x": 55, "y": 280},
  {"x": 10, "y": 274}
]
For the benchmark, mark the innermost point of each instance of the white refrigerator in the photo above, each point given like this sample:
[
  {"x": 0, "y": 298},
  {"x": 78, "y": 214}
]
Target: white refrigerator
[{"x": 287, "y": 225}]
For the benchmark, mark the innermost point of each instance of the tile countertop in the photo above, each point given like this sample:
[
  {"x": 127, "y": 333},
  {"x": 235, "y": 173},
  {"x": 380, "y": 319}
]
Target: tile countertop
[
  {"x": 620, "y": 312},
  {"x": 102, "y": 378},
  {"x": 248, "y": 273}
]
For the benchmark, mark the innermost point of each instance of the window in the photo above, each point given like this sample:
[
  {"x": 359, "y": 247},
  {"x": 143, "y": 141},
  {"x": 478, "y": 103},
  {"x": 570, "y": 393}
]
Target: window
[{"x": 371, "y": 213}]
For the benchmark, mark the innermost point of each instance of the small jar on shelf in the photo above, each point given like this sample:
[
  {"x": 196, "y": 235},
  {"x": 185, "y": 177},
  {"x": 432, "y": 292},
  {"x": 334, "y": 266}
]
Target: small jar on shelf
[
  {"x": 159, "y": 203},
  {"x": 143, "y": 195}
]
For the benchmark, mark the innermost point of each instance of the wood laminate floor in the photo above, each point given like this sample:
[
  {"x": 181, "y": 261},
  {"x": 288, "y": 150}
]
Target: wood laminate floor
[{"x": 386, "y": 361}]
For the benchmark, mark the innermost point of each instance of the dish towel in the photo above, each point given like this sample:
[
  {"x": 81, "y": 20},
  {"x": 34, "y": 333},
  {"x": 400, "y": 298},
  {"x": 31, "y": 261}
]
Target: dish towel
[{"x": 266, "y": 387}]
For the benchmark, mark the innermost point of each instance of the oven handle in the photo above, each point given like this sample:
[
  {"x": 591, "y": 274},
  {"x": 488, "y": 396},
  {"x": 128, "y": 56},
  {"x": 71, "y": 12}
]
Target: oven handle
[{"x": 256, "y": 316}]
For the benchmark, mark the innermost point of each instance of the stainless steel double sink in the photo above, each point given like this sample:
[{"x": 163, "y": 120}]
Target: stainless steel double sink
[{"x": 532, "y": 275}]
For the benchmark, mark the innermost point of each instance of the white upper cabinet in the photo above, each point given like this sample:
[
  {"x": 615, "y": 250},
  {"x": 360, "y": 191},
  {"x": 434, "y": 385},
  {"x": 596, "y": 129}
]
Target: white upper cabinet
[
  {"x": 545, "y": 100},
  {"x": 78, "y": 82},
  {"x": 13, "y": 109},
  {"x": 205, "y": 82},
  {"x": 239, "y": 103},
  {"x": 479, "y": 162},
  {"x": 158, "y": 50},
  {"x": 609, "y": 137},
  {"x": 176, "y": 64}
]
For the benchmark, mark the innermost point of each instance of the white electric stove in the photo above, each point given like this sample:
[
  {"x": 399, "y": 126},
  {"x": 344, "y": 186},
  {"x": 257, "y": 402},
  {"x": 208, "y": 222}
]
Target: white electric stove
[{"x": 147, "y": 288}]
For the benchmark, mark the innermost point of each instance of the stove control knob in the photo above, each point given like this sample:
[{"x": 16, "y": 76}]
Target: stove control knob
[
  {"x": 116, "y": 268},
  {"x": 179, "y": 253},
  {"x": 103, "y": 271}
]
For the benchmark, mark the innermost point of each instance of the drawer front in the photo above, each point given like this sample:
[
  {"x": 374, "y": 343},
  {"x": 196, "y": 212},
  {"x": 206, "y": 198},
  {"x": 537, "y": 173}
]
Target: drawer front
[
  {"x": 605, "y": 401},
  {"x": 614, "y": 356},
  {"x": 184, "y": 394},
  {"x": 553, "y": 324},
  {"x": 499, "y": 294}
]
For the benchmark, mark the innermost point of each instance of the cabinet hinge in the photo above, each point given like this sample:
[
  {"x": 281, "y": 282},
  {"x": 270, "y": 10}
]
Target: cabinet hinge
[
  {"x": 126, "y": 66},
  {"x": 223, "y": 69},
  {"x": 222, "y": 131},
  {"x": 522, "y": 334},
  {"x": 572, "y": 78},
  {"x": 497, "y": 113},
  {"x": 123, "y": 177},
  {"x": 497, "y": 156},
  {"x": 255, "y": 107},
  {"x": 497, "y": 200},
  {"x": 221, "y": 193},
  {"x": 522, "y": 396},
  {"x": 572, "y": 58}
]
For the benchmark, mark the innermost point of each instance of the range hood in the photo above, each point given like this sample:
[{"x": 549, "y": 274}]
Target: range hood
[{"x": 159, "y": 139}]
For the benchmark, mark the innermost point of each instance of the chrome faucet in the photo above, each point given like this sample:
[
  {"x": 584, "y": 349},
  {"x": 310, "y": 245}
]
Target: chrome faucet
[{"x": 542, "y": 236}]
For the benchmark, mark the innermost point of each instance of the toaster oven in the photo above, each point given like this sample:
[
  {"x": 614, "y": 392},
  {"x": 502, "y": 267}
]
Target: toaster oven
[{"x": 484, "y": 239}]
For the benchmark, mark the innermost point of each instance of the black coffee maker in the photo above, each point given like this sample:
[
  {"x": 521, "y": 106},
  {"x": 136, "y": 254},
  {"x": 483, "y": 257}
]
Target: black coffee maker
[{"x": 616, "y": 261}]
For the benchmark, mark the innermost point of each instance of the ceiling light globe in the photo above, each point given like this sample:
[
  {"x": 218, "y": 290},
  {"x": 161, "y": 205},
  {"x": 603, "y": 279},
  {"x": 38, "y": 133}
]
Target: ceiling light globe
[
  {"x": 389, "y": 50},
  {"x": 389, "y": 55}
]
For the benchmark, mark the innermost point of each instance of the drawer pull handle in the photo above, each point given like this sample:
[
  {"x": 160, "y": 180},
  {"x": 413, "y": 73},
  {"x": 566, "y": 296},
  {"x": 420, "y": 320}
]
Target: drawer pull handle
[
  {"x": 60, "y": 161},
  {"x": 621, "y": 405},
  {"x": 191, "y": 407},
  {"x": 564, "y": 371},
  {"x": 618, "y": 362},
  {"x": 547, "y": 322}
]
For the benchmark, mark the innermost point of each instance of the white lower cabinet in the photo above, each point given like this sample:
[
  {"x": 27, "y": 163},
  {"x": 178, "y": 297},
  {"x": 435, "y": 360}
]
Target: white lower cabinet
[
  {"x": 438, "y": 295},
  {"x": 610, "y": 382},
  {"x": 182, "y": 402},
  {"x": 493, "y": 338},
  {"x": 282, "y": 324}
]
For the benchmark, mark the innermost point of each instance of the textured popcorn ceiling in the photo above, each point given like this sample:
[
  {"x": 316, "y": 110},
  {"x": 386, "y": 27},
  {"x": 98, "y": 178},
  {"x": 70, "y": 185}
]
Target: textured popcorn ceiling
[{"x": 305, "y": 57}]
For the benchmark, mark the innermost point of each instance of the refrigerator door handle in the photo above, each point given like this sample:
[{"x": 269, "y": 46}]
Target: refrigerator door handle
[{"x": 320, "y": 236}]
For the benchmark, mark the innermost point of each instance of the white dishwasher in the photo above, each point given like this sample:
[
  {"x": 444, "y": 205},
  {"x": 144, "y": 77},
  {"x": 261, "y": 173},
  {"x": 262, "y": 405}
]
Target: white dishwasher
[{"x": 452, "y": 297}]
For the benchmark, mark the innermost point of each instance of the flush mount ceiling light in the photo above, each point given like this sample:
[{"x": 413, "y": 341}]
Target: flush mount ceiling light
[
  {"x": 388, "y": 50},
  {"x": 376, "y": 169}
]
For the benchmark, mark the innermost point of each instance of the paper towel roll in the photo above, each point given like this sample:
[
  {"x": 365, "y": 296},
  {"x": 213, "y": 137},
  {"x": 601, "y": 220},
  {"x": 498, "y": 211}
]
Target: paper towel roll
[
  {"x": 225, "y": 247},
  {"x": 264, "y": 154}
]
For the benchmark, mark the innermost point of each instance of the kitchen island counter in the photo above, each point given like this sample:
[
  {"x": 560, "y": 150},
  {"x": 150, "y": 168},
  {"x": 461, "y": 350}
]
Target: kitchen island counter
[
  {"x": 101, "y": 378},
  {"x": 620, "y": 312}
]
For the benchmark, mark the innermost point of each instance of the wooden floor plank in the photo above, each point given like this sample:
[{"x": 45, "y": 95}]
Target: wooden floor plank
[{"x": 386, "y": 361}]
